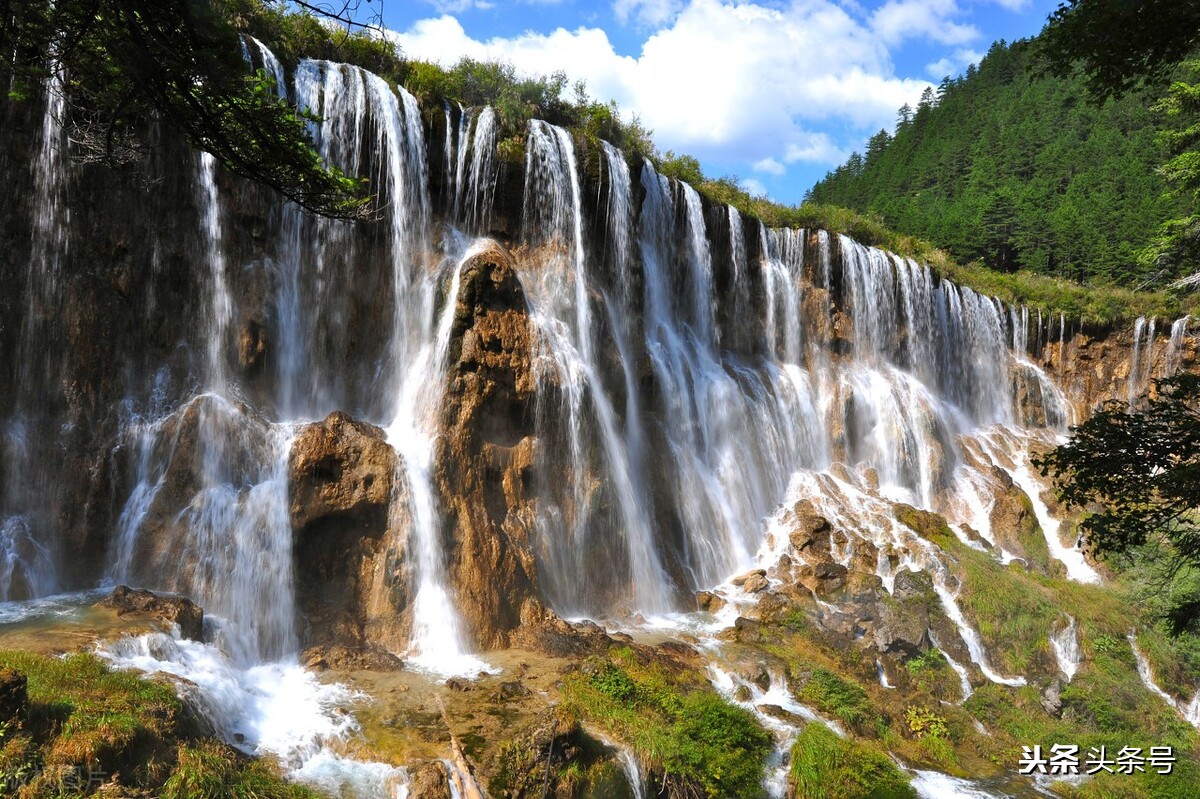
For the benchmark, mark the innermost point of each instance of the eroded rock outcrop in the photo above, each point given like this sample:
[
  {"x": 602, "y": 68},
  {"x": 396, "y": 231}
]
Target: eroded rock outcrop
[
  {"x": 486, "y": 450},
  {"x": 346, "y": 492},
  {"x": 174, "y": 609}
]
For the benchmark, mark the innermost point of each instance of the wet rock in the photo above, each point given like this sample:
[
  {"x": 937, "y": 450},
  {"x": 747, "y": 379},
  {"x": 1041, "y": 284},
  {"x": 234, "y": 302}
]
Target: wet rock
[
  {"x": 742, "y": 693},
  {"x": 911, "y": 585},
  {"x": 347, "y": 501},
  {"x": 429, "y": 780},
  {"x": 163, "y": 554},
  {"x": 558, "y": 638},
  {"x": 827, "y": 578},
  {"x": 1015, "y": 525},
  {"x": 752, "y": 582},
  {"x": 511, "y": 690},
  {"x": 784, "y": 715},
  {"x": 746, "y": 629},
  {"x": 485, "y": 452},
  {"x": 338, "y": 657},
  {"x": 710, "y": 602},
  {"x": 340, "y": 467},
  {"x": 252, "y": 347},
  {"x": 175, "y": 609},
  {"x": 1052, "y": 698},
  {"x": 807, "y": 528},
  {"x": 14, "y": 699},
  {"x": 902, "y": 629}
]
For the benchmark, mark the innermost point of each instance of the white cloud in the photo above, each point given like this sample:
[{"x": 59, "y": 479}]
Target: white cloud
[
  {"x": 953, "y": 64},
  {"x": 1013, "y": 5},
  {"x": 898, "y": 20},
  {"x": 754, "y": 187},
  {"x": 816, "y": 148},
  {"x": 739, "y": 84},
  {"x": 647, "y": 12},
  {"x": 769, "y": 166},
  {"x": 459, "y": 6}
]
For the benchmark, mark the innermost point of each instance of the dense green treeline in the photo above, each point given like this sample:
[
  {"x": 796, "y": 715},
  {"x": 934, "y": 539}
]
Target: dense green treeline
[{"x": 1021, "y": 171}]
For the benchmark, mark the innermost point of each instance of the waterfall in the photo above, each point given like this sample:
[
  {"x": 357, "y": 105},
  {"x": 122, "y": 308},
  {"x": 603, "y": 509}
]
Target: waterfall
[
  {"x": 1175, "y": 344},
  {"x": 437, "y": 642},
  {"x": 1065, "y": 643},
  {"x": 28, "y": 489},
  {"x": 1147, "y": 673},
  {"x": 1141, "y": 363},
  {"x": 633, "y": 772},
  {"x": 481, "y": 181},
  {"x": 562, "y": 313}
]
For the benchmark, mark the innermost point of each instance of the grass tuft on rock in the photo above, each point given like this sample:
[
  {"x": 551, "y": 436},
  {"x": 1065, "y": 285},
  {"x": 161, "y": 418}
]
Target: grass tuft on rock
[
  {"x": 86, "y": 725},
  {"x": 825, "y": 766},
  {"x": 693, "y": 741}
]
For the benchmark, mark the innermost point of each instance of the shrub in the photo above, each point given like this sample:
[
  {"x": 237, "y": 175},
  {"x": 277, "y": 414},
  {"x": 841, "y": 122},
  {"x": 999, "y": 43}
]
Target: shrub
[{"x": 825, "y": 766}]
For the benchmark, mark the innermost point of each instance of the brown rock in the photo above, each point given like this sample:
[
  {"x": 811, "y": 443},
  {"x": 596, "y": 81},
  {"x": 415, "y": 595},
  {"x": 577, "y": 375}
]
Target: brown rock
[
  {"x": 338, "y": 657},
  {"x": 1015, "y": 525},
  {"x": 429, "y": 781},
  {"x": 710, "y": 602},
  {"x": 175, "y": 609},
  {"x": 341, "y": 467},
  {"x": 829, "y": 577},
  {"x": 485, "y": 452},
  {"x": 252, "y": 347},
  {"x": 755, "y": 583},
  {"x": 807, "y": 528}
]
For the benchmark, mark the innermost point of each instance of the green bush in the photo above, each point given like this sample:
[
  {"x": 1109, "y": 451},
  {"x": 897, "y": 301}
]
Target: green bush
[
  {"x": 685, "y": 732},
  {"x": 825, "y": 766}
]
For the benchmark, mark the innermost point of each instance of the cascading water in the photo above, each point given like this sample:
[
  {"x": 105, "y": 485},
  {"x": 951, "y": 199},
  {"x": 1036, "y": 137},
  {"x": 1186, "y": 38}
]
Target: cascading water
[
  {"x": 562, "y": 312},
  {"x": 28, "y": 494},
  {"x": 1141, "y": 364},
  {"x": 1065, "y": 643},
  {"x": 1175, "y": 345}
]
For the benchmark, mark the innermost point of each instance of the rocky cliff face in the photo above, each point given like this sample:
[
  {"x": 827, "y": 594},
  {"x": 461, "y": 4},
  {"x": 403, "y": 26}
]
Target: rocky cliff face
[{"x": 485, "y": 452}]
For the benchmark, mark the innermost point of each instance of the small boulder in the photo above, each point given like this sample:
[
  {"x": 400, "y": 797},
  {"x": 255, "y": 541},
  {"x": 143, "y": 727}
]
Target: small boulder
[
  {"x": 755, "y": 583},
  {"x": 709, "y": 602},
  {"x": 808, "y": 529},
  {"x": 829, "y": 577},
  {"x": 175, "y": 609},
  {"x": 429, "y": 780},
  {"x": 741, "y": 579}
]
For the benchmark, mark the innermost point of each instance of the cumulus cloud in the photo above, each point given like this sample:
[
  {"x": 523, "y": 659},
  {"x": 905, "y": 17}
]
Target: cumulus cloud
[
  {"x": 647, "y": 12},
  {"x": 459, "y": 6},
  {"x": 754, "y": 187},
  {"x": 739, "y": 83},
  {"x": 769, "y": 166},
  {"x": 898, "y": 20},
  {"x": 953, "y": 64}
]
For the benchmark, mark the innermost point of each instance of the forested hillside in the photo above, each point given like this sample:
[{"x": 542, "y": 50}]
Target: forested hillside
[{"x": 1021, "y": 171}]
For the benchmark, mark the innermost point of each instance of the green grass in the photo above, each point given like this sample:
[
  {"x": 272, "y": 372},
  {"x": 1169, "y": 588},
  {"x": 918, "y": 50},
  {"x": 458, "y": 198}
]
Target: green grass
[
  {"x": 825, "y": 766},
  {"x": 693, "y": 740},
  {"x": 84, "y": 718},
  {"x": 840, "y": 698}
]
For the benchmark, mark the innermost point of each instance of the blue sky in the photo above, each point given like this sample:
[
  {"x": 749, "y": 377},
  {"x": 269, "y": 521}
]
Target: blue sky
[{"x": 776, "y": 92}]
